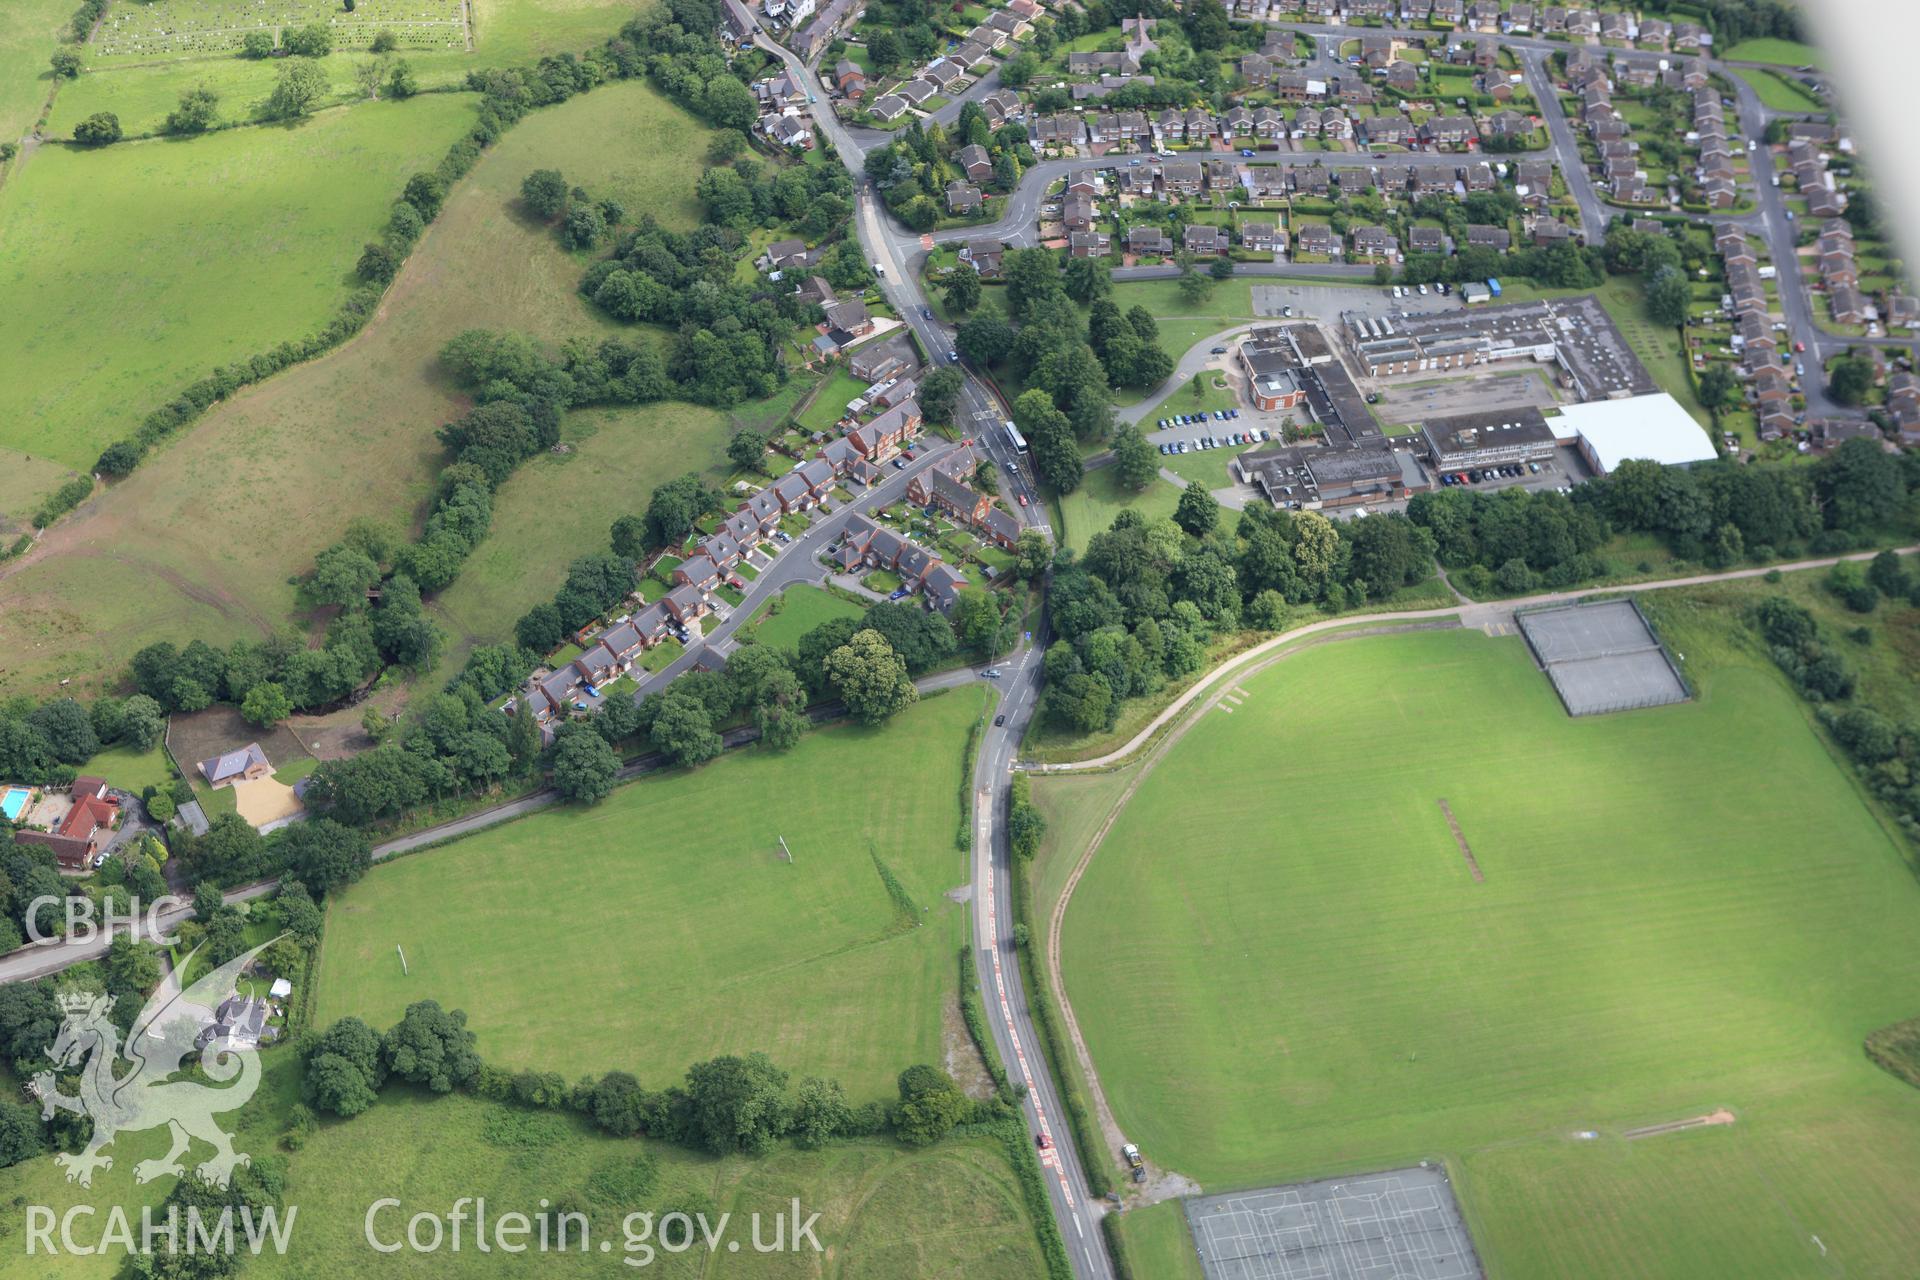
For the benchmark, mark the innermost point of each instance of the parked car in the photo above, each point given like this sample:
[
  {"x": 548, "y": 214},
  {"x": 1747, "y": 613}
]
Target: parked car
[
  {"x": 1219, "y": 351},
  {"x": 1423, "y": 291},
  {"x": 1023, "y": 499}
]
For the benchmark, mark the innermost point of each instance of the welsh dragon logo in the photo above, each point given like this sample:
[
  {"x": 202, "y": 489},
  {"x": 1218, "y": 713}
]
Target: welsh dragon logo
[{"x": 170, "y": 1026}]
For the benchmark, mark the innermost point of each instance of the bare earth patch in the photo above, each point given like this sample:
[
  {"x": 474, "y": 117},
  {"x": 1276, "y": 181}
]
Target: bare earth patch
[{"x": 1720, "y": 1116}]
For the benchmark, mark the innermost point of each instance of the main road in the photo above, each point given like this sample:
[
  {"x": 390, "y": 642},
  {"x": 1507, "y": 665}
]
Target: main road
[{"x": 1008, "y": 1012}]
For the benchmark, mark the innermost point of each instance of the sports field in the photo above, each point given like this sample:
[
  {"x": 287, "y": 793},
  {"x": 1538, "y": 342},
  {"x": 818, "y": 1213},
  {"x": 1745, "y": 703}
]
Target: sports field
[
  {"x": 662, "y": 926},
  {"x": 187, "y": 255},
  {"x": 1683, "y": 909},
  {"x": 202, "y": 539}
]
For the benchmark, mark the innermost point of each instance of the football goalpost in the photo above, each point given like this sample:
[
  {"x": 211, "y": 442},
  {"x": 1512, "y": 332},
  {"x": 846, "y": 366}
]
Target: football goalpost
[{"x": 786, "y": 854}]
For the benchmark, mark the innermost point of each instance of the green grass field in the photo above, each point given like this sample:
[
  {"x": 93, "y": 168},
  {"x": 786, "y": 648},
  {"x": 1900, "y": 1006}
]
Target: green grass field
[
  {"x": 802, "y": 608},
  {"x": 132, "y": 770},
  {"x": 619, "y": 454},
  {"x": 661, "y": 927},
  {"x": 1779, "y": 92},
  {"x": 220, "y": 247},
  {"x": 1309, "y": 980},
  {"x": 1787, "y": 53},
  {"x": 831, "y": 404},
  {"x": 202, "y": 539},
  {"x": 30, "y": 30},
  {"x": 886, "y": 1211},
  {"x": 1181, "y": 399},
  {"x": 1090, "y": 508},
  {"x": 1160, "y": 1243},
  {"x": 141, "y": 86}
]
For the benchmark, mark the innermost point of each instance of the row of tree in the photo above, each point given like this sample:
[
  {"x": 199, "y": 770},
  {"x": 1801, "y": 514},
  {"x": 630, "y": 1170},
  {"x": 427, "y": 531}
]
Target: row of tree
[
  {"x": 43, "y": 744},
  {"x": 730, "y": 1105}
]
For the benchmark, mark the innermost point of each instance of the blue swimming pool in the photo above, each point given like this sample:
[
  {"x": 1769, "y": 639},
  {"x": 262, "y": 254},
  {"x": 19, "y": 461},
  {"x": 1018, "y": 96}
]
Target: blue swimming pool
[{"x": 13, "y": 802}]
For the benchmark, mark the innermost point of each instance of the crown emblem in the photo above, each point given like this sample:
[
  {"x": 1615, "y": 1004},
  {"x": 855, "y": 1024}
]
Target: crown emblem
[{"x": 76, "y": 1002}]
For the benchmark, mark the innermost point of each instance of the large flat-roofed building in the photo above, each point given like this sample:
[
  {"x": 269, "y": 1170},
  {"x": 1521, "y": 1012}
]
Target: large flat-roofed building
[
  {"x": 1574, "y": 334},
  {"x": 1311, "y": 478},
  {"x": 1653, "y": 427},
  {"x": 1271, "y": 383},
  {"x": 1325, "y": 386},
  {"x": 1496, "y": 438}
]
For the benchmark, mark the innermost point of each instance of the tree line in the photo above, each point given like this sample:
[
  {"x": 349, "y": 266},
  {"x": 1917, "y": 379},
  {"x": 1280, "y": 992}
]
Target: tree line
[
  {"x": 729, "y": 1105},
  {"x": 1141, "y": 606}
]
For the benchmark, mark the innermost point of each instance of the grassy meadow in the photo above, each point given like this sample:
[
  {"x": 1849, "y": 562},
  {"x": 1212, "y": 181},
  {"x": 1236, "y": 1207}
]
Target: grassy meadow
[
  {"x": 185, "y": 255},
  {"x": 661, "y": 927},
  {"x": 558, "y": 507},
  {"x": 202, "y": 540},
  {"x": 1309, "y": 980},
  {"x": 886, "y": 1211},
  {"x": 30, "y": 30}
]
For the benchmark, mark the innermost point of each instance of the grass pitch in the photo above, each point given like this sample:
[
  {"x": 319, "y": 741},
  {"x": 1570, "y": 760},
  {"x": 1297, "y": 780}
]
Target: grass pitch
[
  {"x": 1684, "y": 908},
  {"x": 661, "y": 927}
]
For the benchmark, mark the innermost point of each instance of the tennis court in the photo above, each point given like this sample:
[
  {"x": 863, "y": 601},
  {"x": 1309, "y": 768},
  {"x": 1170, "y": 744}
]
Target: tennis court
[
  {"x": 1602, "y": 657},
  {"x": 1403, "y": 1224}
]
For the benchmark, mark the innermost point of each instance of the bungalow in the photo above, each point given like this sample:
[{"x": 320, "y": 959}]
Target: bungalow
[
  {"x": 1902, "y": 311},
  {"x": 788, "y": 131},
  {"x": 1654, "y": 33},
  {"x": 917, "y": 92},
  {"x": 1689, "y": 36},
  {"x": 944, "y": 74},
  {"x": 246, "y": 764},
  {"x": 963, "y": 197},
  {"x": 889, "y": 108},
  {"x": 850, "y": 317},
  {"x": 1548, "y": 232},
  {"x": 1403, "y": 77},
  {"x": 1903, "y": 405}
]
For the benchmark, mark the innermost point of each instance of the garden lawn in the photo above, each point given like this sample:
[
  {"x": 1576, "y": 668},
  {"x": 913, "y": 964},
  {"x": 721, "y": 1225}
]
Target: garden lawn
[
  {"x": 206, "y": 534},
  {"x": 620, "y": 454},
  {"x": 831, "y": 404},
  {"x": 131, "y": 770},
  {"x": 668, "y": 910},
  {"x": 802, "y": 608},
  {"x": 1308, "y": 980}
]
